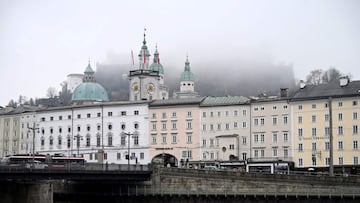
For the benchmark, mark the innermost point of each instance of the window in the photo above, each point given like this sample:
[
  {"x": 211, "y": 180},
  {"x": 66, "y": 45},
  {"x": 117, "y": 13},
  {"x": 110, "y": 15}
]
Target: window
[
  {"x": 340, "y": 130},
  {"x": 327, "y": 131},
  {"x": 231, "y": 146},
  {"x": 313, "y": 106},
  {"x": 244, "y": 140},
  {"x": 285, "y": 120},
  {"x": 327, "y": 161},
  {"x": 136, "y": 126},
  {"x": 60, "y": 118},
  {"x": 189, "y": 125},
  {"x": 262, "y": 121},
  {"x": 189, "y": 114},
  {"x": 163, "y": 125},
  {"x": 123, "y": 113},
  {"x": 256, "y": 138},
  {"x": 244, "y": 112},
  {"x": 313, "y": 118},
  {"x": 355, "y": 129},
  {"x": 274, "y": 107},
  {"x": 189, "y": 138},
  {"x": 98, "y": 140},
  {"x": 341, "y": 160},
  {"x": 164, "y": 138},
  {"x": 313, "y": 146},
  {"x": 275, "y": 152},
  {"x": 88, "y": 141},
  {"x": 313, "y": 132},
  {"x": 204, "y": 114},
  {"x": 300, "y": 107},
  {"x": 211, "y": 114},
  {"x": 262, "y": 137},
  {"x": 219, "y": 113},
  {"x": 174, "y": 114},
  {"x": 69, "y": 117},
  {"x": 354, "y": 103},
  {"x": 340, "y": 116},
  {"x": 256, "y": 153},
  {"x": 110, "y": 126},
  {"x": 340, "y": 104},
  {"x": 98, "y": 114},
  {"x": 153, "y": 115},
  {"x": 340, "y": 145},
  {"x": 51, "y": 118},
  {"x": 204, "y": 127},
  {"x": 142, "y": 155},
  {"x": 327, "y": 146},
  {"x": 262, "y": 153},
  {"x": 211, "y": 127},
  {"x": 326, "y": 105},
  {"x": 88, "y": 115},
  {"x": 219, "y": 126},
  {"x": 123, "y": 140},
  {"x": 118, "y": 156},
  {"x": 136, "y": 140},
  {"x": 173, "y": 123},
  {"x": 51, "y": 130},
  {"x": 88, "y": 128},
  {"x": 110, "y": 140},
  {"x": 286, "y": 153},
  {"x": 256, "y": 121},
  {"x": 154, "y": 139},
  {"x": 59, "y": 141},
  {"x": 355, "y": 145},
  {"x": 163, "y": 115},
  {"x": 285, "y": 107},
  {"x": 136, "y": 112},
  {"x": 235, "y": 113},
  {"x": 356, "y": 160},
  {"x": 43, "y": 119},
  {"x": 98, "y": 127},
  {"x": 274, "y": 119},
  {"x": 274, "y": 137},
  {"x": 235, "y": 124},
  {"x": 68, "y": 142},
  {"x": 211, "y": 142},
  {"x": 300, "y": 162},
  {"x": 326, "y": 117},
  {"x": 60, "y": 130},
  {"x": 79, "y": 116},
  {"x": 227, "y": 126},
  {"x": 285, "y": 137},
  {"x": 300, "y": 132},
  {"x": 300, "y": 119},
  {"x": 355, "y": 115},
  {"x": 109, "y": 113},
  {"x": 244, "y": 124},
  {"x": 174, "y": 138}
]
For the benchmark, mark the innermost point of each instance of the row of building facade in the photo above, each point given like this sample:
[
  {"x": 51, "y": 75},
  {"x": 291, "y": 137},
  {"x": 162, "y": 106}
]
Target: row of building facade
[{"x": 200, "y": 129}]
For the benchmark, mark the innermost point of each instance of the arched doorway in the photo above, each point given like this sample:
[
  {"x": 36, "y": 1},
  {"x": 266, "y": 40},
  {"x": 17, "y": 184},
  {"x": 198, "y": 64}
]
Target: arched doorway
[{"x": 165, "y": 160}]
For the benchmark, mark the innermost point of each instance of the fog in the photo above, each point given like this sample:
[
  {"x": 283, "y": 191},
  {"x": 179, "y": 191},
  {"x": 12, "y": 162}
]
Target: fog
[{"x": 221, "y": 78}]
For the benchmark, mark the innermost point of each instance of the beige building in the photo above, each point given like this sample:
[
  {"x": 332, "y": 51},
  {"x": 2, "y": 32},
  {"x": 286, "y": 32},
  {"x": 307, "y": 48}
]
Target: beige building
[
  {"x": 174, "y": 131},
  {"x": 271, "y": 136},
  {"x": 13, "y": 130},
  {"x": 225, "y": 128},
  {"x": 311, "y": 124}
]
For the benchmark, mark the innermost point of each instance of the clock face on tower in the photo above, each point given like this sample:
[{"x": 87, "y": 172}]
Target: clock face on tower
[
  {"x": 150, "y": 87},
  {"x": 135, "y": 87}
]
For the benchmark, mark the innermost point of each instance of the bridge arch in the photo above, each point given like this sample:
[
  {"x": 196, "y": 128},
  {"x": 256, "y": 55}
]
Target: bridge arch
[{"x": 165, "y": 160}]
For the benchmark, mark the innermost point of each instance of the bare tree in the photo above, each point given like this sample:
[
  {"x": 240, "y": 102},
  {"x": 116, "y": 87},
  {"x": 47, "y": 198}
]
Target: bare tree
[
  {"x": 315, "y": 77},
  {"x": 331, "y": 74},
  {"x": 51, "y": 92}
]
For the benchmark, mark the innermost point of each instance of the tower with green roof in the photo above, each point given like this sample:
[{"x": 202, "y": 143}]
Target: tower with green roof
[
  {"x": 187, "y": 83},
  {"x": 89, "y": 91},
  {"x": 147, "y": 82}
]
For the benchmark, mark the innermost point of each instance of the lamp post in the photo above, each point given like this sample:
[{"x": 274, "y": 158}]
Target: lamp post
[
  {"x": 128, "y": 134},
  {"x": 77, "y": 138},
  {"x": 33, "y": 129}
]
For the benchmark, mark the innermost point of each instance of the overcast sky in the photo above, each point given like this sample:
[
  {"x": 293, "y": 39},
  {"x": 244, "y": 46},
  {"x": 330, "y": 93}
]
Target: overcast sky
[{"x": 42, "y": 41}]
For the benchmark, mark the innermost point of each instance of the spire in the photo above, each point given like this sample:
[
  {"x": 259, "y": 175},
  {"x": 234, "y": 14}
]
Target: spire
[
  {"x": 187, "y": 63},
  {"x": 156, "y": 56},
  {"x": 144, "y": 54},
  {"x": 89, "y": 74}
]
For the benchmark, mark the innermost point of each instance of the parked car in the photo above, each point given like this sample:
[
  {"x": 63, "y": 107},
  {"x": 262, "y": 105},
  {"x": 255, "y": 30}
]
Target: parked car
[{"x": 36, "y": 165}]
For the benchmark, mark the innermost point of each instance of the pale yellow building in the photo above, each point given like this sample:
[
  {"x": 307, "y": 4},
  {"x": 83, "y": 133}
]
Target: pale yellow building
[{"x": 310, "y": 108}]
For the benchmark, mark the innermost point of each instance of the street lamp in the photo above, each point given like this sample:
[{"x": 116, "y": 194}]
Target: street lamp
[
  {"x": 128, "y": 134},
  {"x": 77, "y": 138},
  {"x": 33, "y": 129}
]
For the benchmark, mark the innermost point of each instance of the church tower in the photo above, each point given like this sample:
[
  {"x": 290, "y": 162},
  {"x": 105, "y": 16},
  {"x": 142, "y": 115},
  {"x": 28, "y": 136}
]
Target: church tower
[
  {"x": 147, "y": 83},
  {"x": 187, "y": 83}
]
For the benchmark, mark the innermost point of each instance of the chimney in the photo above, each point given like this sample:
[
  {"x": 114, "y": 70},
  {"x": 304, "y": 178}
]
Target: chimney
[
  {"x": 284, "y": 92},
  {"x": 302, "y": 84},
  {"x": 344, "y": 80}
]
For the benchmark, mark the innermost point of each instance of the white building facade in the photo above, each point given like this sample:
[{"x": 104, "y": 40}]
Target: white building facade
[{"x": 99, "y": 132}]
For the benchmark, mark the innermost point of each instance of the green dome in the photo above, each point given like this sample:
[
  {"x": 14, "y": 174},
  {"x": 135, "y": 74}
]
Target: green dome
[
  {"x": 157, "y": 67},
  {"x": 187, "y": 75},
  {"x": 90, "y": 91}
]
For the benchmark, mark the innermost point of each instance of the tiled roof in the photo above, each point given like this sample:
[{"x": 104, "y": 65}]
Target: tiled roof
[
  {"x": 170, "y": 102},
  {"x": 224, "y": 101},
  {"x": 328, "y": 90}
]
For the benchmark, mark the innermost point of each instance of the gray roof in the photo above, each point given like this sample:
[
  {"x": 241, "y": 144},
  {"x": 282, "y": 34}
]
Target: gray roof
[
  {"x": 171, "y": 102},
  {"x": 18, "y": 110},
  {"x": 224, "y": 101},
  {"x": 332, "y": 89}
]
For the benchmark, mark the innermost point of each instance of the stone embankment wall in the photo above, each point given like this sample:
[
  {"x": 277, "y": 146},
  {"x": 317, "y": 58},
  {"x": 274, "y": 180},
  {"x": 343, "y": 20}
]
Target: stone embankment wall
[{"x": 182, "y": 181}]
